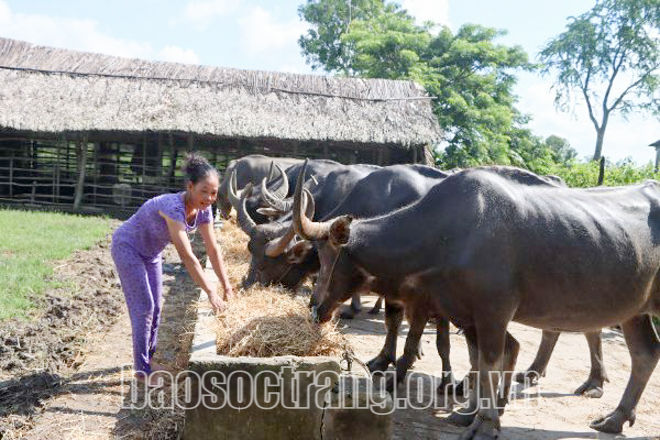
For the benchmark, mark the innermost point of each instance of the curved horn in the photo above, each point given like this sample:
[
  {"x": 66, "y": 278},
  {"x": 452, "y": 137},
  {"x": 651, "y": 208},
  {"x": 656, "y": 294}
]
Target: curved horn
[
  {"x": 275, "y": 247},
  {"x": 272, "y": 201},
  {"x": 303, "y": 226},
  {"x": 281, "y": 191},
  {"x": 244, "y": 220}
]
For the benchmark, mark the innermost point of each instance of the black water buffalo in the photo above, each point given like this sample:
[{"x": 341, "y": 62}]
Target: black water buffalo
[
  {"x": 318, "y": 169},
  {"x": 392, "y": 188},
  {"x": 489, "y": 245},
  {"x": 248, "y": 169},
  {"x": 275, "y": 259}
]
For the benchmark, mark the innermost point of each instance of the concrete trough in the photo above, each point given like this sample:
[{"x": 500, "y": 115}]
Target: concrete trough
[{"x": 273, "y": 398}]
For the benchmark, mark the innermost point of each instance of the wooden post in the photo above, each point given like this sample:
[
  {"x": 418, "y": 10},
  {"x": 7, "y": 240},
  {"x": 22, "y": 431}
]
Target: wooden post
[
  {"x": 82, "y": 165},
  {"x": 381, "y": 156},
  {"x": 414, "y": 158},
  {"x": 657, "y": 158},
  {"x": 191, "y": 141},
  {"x": 11, "y": 176},
  {"x": 144, "y": 157},
  {"x": 57, "y": 183}
]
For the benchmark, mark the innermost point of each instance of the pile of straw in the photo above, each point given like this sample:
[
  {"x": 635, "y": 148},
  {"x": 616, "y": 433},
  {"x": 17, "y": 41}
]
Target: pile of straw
[{"x": 268, "y": 321}]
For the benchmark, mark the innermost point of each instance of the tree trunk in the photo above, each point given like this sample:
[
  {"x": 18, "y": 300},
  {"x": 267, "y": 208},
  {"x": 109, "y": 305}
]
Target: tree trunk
[{"x": 600, "y": 137}]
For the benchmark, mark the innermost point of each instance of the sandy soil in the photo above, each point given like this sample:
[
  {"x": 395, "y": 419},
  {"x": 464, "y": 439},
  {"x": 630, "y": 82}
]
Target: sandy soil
[{"x": 549, "y": 411}]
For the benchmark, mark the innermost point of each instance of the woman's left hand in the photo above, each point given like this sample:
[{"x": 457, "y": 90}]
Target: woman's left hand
[{"x": 229, "y": 293}]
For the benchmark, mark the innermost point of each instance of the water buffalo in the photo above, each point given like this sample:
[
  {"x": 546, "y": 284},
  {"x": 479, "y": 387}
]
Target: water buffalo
[
  {"x": 489, "y": 245},
  {"x": 248, "y": 169},
  {"x": 275, "y": 258},
  {"x": 318, "y": 168}
]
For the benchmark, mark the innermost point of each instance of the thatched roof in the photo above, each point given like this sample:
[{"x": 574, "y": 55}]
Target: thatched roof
[
  {"x": 655, "y": 144},
  {"x": 45, "y": 89}
]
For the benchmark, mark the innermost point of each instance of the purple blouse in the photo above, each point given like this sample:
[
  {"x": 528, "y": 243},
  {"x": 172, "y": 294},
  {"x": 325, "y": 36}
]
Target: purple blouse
[{"x": 146, "y": 231}]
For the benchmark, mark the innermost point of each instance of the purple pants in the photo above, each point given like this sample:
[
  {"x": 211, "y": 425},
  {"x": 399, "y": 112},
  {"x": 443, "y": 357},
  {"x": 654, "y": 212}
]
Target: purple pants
[{"x": 142, "y": 283}]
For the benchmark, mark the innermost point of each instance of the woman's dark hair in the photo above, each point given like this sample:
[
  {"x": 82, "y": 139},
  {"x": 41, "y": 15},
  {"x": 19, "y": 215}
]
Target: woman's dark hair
[{"x": 196, "y": 167}]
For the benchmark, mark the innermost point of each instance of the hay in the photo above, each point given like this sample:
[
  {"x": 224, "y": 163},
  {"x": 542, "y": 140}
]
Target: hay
[{"x": 268, "y": 321}]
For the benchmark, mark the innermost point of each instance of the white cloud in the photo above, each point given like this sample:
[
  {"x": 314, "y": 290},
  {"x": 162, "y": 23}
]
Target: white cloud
[
  {"x": 178, "y": 55},
  {"x": 203, "y": 12},
  {"x": 428, "y": 10},
  {"x": 83, "y": 35},
  {"x": 66, "y": 33},
  {"x": 261, "y": 33}
]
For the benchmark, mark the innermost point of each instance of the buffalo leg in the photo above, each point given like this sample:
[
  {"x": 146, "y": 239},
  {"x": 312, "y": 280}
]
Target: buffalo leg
[
  {"x": 443, "y": 345},
  {"x": 511, "y": 350},
  {"x": 393, "y": 319},
  {"x": 593, "y": 387},
  {"x": 376, "y": 308},
  {"x": 417, "y": 319},
  {"x": 352, "y": 310},
  {"x": 540, "y": 363},
  {"x": 644, "y": 353},
  {"x": 465, "y": 416},
  {"x": 491, "y": 342}
]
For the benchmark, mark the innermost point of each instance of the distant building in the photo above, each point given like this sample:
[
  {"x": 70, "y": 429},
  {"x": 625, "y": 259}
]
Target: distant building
[{"x": 82, "y": 131}]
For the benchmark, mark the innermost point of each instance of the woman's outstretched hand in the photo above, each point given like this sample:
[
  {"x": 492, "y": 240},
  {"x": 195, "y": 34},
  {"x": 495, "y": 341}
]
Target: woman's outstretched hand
[{"x": 217, "y": 303}]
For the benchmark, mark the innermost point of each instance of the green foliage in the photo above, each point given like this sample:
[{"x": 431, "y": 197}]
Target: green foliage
[
  {"x": 470, "y": 74},
  {"x": 31, "y": 242},
  {"x": 610, "y": 58},
  {"x": 329, "y": 20},
  {"x": 585, "y": 175}
]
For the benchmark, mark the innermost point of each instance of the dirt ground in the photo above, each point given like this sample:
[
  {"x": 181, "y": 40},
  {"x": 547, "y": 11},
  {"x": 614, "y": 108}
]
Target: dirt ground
[
  {"x": 549, "y": 411},
  {"x": 61, "y": 372}
]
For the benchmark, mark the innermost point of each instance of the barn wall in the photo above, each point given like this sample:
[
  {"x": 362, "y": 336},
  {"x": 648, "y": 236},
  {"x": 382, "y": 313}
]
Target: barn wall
[{"x": 122, "y": 170}]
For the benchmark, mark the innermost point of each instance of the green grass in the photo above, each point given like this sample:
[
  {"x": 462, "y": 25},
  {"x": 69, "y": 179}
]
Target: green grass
[{"x": 29, "y": 244}]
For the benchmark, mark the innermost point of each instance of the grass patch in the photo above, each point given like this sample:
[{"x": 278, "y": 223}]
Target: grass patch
[{"x": 29, "y": 245}]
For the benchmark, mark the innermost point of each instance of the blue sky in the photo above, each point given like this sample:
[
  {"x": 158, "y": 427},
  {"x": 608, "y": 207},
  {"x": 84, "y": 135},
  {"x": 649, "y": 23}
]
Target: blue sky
[{"x": 262, "y": 35}]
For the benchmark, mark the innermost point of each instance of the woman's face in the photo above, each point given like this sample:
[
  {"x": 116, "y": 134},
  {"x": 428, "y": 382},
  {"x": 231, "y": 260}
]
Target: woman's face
[{"x": 204, "y": 192}]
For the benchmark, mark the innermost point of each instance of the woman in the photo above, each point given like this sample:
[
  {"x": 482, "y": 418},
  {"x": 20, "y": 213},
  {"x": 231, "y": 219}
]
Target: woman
[{"x": 137, "y": 246}]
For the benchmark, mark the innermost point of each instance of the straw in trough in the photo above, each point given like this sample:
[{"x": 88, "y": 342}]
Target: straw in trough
[{"x": 268, "y": 321}]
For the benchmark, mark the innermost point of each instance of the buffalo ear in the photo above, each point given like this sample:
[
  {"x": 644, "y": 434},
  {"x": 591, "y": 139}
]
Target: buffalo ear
[
  {"x": 340, "y": 230},
  {"x": 299, "y": 252}
]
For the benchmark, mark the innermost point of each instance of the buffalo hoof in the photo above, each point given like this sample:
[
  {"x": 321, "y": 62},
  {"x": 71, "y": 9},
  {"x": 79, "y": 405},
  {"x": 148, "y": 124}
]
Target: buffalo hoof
[
  {"x": 613, "y": 422},
  {"x": 374, "y": 310},
  {"x": 392, "y": 382},
  {"x": 449, "y": 385},
  {"x": 379, "y": 364},
  {"x": 529, "y": 377},
  {"x": 461, "y": 418},
  {"x": 481, "y": 429},
  {"x": 591, "y": 388},
  {"x": 348, "y": 312}
]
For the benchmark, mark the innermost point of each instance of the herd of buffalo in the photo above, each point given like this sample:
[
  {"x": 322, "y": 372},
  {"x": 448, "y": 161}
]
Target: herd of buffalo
[{"x": 478, "y": 247}]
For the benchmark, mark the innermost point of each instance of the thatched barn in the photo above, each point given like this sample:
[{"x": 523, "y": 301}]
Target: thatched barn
[{"x": 88, "y": 131}]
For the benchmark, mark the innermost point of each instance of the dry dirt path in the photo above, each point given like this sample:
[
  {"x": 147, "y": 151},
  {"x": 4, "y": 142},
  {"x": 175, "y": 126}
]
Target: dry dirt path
[
  {"x": 89, "y": 403},
  {"x": 556, "y": 414}
]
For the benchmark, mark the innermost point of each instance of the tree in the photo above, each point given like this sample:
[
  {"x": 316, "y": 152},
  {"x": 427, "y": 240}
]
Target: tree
[
  {"x": 610, "y": 58},
  {"x": 471, "y": 76},
  {"x": 322, "y": 45},
  {"x": 561, "y": 148}
]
